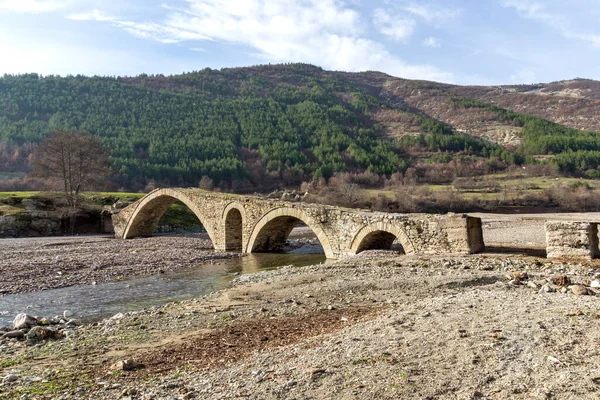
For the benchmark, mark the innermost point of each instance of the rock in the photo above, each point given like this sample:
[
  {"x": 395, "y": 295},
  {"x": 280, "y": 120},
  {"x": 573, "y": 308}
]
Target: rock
[
  {"x": 547, "y": 289},
  {"x": 533, "y": 285},
  {"x": 23, "y": 321},
  {"x": 67, "y": 314},
  {"x": 291, "y": 383},
  {"x": 517, "y": 275},
  {"x": 579, "y": 290},
  {"x": 129, "y": 392},
  {"x": 10, "y": 378},
  {"x": 514, "y": 282},
  {"x": 13, "y": 335},
  {"x": 40, "y": 333},
  {"x": 117, "y": 317},
  {"x": 561, "y": 280},
  {"x": 126, "y": 365},
  {"x": 595, "y": 284}
]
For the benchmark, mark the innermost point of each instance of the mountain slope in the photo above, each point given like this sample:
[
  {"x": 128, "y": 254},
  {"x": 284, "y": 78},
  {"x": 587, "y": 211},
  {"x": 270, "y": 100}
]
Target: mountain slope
[{"x": 276, "y": 124}]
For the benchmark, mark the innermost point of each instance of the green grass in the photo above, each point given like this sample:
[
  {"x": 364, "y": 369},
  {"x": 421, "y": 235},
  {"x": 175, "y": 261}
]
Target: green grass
[
  {"x": 120, "y": 195},
  {"x": 10, "y": 210},
  {"x": 511, "y": 187},
  {"x": 21, "y": 195}
]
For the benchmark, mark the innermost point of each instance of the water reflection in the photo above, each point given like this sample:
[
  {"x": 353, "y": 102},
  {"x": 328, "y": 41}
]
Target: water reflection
[{"x": 102, "y": 300}]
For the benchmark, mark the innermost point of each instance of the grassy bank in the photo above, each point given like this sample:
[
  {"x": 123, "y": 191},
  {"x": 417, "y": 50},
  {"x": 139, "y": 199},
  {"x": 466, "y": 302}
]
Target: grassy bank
[{"x": 178, "y": 218}]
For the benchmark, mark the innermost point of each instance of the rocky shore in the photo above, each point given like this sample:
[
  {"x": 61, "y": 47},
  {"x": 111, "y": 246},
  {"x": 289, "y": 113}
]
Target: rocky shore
[{"x": 375, "y": 326}]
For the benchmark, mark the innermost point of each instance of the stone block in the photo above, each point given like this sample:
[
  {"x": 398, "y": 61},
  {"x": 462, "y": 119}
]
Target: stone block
[{"x": 572, "y": 239}]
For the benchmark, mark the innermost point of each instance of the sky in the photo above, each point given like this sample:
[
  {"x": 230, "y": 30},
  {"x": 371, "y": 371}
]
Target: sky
[{"x": 474, "y": 42}]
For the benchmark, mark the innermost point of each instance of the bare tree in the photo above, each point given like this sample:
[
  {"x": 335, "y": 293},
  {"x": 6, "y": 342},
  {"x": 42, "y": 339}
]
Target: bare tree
[
  {"x": 206, "y": 183},
  {"x": 76, "y": 159}
]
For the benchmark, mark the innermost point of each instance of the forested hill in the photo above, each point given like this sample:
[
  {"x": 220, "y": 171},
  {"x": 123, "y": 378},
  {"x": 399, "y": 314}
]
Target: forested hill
[{"x": 276, "y": 124}]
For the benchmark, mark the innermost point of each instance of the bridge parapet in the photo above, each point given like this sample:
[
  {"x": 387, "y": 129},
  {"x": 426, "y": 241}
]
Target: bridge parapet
[{"x": 251, "y": 224}]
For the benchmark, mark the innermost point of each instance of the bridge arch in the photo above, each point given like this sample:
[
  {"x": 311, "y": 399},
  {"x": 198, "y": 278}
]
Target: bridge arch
[
  {"x": 380, "y": 235},
  {"x": 234, "y": 218},
  {"x": 271, "y": 231},
  {"x": 151, "y": 207}
]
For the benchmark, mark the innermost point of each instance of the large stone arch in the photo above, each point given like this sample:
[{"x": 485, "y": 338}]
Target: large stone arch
[
  {"x": 277, "y": 224},
  {"x": 148, "y": 211},
  {"x": 380, "y": 232},
  {"x": 234, "y": 218}
]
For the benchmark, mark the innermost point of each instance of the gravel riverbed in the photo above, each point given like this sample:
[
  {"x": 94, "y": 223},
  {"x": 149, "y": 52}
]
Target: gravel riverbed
[
  {"x": 374, "y": 326},
  {"x": 32, "y": 264}
]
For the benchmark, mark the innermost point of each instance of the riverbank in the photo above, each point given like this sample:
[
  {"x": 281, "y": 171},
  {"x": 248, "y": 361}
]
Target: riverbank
[
  {"x": 33, "y": 264},
  {"x": 373, "y": 326},
  {"x": 377, "y": 325}
]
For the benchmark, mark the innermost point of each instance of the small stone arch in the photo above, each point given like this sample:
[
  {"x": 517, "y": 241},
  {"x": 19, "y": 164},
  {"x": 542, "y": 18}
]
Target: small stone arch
[
  {"x": 275, "y": 226},
  {"x": 234, "y": 218},
  {"x": 380, "y": 235},
  {"x": 150, "y": 208}
]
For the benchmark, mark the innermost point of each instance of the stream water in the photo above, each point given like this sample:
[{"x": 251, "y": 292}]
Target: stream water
[{"x": 102, "y": 300}]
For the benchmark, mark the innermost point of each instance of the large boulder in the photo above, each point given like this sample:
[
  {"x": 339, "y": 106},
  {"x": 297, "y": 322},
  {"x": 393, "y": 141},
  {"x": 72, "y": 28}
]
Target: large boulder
[
  {"x": 40, "y": 333},
  {"x": 24, "y": 321}
]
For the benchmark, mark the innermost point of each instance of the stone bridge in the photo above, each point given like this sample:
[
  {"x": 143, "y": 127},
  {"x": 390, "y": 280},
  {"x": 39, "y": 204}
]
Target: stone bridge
[{"x": 253, "y": 224}]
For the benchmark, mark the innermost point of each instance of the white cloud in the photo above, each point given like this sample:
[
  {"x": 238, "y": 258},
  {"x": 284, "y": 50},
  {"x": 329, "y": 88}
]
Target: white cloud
[
  {"x": 393, "y": 25},
  {"x": 31, "y": 6},
  {"x": 322, "y": 32},
  {"x": 532, "y": 9},
  {"x": 432, "y": 42},
  {"x": 554, "y": 18},
  {"x": 430, "y": 13},
  {"x": 145, "y": 30},
  {"x": 198, "y": 49},
  {"x": 23, "y": 52},
  {"x": 94, "y": 15}
]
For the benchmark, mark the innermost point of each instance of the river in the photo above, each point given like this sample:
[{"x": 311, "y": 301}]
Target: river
[{"x": 91, "y": 302}]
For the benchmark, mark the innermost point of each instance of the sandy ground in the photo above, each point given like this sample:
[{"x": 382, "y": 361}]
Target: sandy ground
[{"x": 374, "y": 326}]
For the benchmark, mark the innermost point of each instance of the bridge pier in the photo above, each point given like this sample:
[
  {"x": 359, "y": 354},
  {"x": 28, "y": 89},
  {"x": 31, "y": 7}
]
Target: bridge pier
[
  {"x": 252, "y": 224},
  {"x": 572, "y": 239}
]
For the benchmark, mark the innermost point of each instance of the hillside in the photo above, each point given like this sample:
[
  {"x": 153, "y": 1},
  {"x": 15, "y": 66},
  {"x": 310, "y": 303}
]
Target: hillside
[{"x": 260, "y": 127}]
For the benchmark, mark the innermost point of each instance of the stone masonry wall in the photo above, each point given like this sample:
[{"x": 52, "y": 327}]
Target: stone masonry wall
[{"x": 572, "y": 239}]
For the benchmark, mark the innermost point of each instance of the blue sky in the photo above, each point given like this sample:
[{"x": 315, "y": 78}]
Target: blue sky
[{"x": 458, "y": 41}]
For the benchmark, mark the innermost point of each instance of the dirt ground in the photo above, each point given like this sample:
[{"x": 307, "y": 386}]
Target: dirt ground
[{"x": 374, "y": 326}]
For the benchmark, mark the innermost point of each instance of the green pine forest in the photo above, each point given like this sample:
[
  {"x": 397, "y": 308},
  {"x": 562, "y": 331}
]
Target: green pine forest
[{"x": 248, "y": 127}]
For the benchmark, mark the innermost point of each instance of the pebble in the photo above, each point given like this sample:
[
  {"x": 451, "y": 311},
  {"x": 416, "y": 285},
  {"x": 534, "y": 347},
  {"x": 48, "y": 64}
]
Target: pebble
[
  {"x": 533, "y": 285},
  {"x": 125, "y": 365},
  {"x": 13, "y": 335},
  {"x": 10, "y": 378},
  {"x": 547, "y": 289},
  {"x": 595, "y": 284},
  {"x": 579, "y": 290}
]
